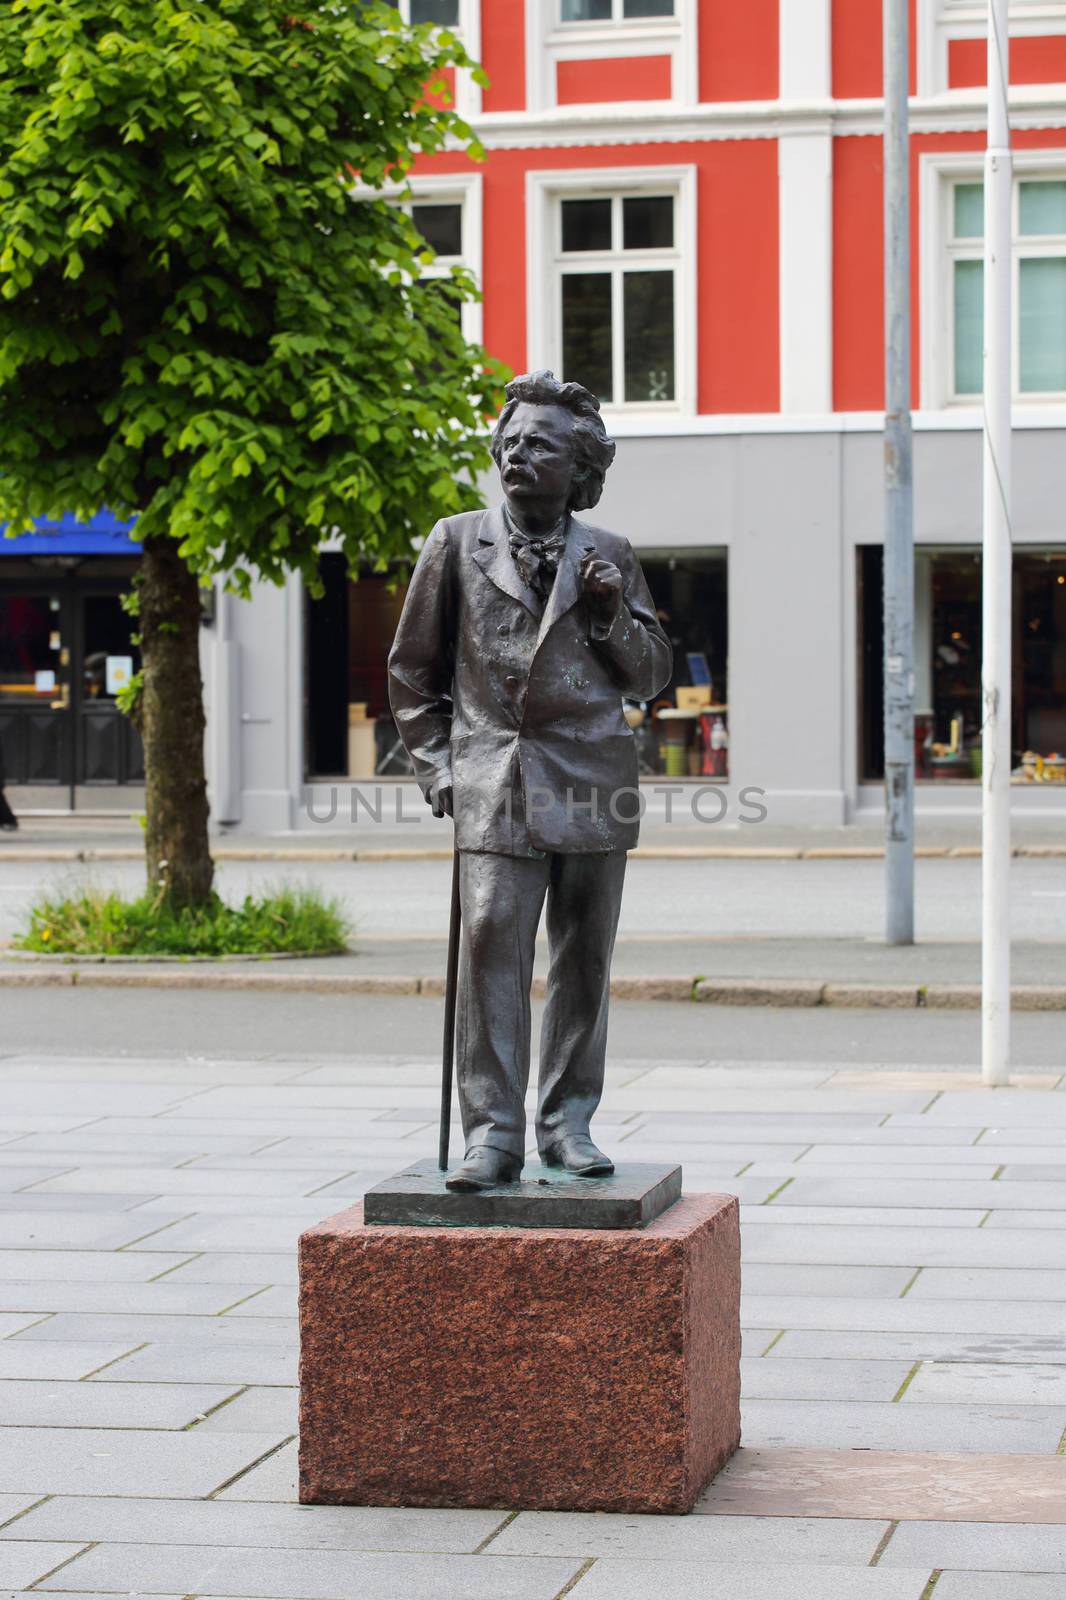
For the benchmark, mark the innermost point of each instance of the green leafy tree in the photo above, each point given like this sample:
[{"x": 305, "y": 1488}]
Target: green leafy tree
[{"x": 199, "y": 324}]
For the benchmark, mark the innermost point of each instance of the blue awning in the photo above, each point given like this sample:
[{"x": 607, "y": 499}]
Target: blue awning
[{"x": 103, "y": 535}]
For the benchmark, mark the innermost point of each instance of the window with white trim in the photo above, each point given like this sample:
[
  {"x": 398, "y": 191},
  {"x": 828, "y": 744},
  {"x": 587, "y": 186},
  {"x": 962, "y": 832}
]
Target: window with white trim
[
  {"x": 615, "y": 282},
  {"x": 613, "y": 10},
  {"x": 940, "y": 21},
  {"x": 442, "y": 13},
  {"x": 1039, "y": 299}
]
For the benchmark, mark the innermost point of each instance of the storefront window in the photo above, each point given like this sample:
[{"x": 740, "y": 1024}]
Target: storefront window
[
  {"x": 947, "y": 665},
  {"x": 350, "y": 732},
  {"x": 685, "y": 732}
]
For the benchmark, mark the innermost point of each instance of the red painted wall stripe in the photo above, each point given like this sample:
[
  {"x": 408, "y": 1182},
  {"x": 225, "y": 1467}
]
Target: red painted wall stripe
[
  {"x": 1032, "y": 60},
  {"x": 737, "y": 242},
  {"x": 503, "y": 54},
  {"x": 739, "y": 49},
  {"x": 858, "y": 290},
  {"x": 739, "y": 342},
  {"x": 614, "y": 78},
  {"x": 856, "y": 48}
]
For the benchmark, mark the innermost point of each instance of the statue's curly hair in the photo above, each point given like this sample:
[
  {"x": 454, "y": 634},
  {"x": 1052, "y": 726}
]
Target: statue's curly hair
[{"x": 593, "y": 450}]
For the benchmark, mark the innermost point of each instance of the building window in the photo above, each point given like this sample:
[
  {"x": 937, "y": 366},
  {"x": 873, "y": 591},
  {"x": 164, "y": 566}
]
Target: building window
[
  {"x": 447, "y": 213},
  {"x": 1039, "y": 287},
  {"x": 616, "y": 272},
  {"x": 947, "y": 664},
  {"x": 442, "y": 13},
  {"x": 685, "y": 732},
  {"x": 613, "y": 10}
]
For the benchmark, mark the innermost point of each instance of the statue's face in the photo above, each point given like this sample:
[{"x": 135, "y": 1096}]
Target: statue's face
[{"x": 537, "y": 454}]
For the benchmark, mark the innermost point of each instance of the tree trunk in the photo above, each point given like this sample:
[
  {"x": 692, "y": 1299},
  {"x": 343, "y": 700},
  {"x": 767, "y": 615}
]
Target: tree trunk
[{"x": 172, "y": 727}]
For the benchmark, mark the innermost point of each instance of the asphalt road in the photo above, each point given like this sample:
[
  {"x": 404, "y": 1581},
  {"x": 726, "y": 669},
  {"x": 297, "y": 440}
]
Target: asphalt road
[
  {"x": 148, "y": 1024},
  {"x": 784, "y": 899}
]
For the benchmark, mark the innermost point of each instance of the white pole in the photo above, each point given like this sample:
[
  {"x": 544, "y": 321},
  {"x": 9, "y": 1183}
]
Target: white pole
[
  {"x": 899, "y": 493},
  {"x": 997, "y": 566}
]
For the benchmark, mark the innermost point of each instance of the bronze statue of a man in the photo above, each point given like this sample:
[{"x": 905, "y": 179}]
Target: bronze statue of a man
[{"x": 522, "y": 631}]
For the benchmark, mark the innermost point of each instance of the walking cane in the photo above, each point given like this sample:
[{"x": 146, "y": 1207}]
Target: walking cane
[{"x": 450, "y": 987}]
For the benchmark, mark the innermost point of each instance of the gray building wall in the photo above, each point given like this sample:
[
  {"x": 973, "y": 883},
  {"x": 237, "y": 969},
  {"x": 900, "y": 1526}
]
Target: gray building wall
[{"x": 790, "y": 509}]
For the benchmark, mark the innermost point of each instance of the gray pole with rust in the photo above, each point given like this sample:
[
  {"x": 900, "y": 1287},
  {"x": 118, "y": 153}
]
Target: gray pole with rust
[{"x": 899, "y": 494}]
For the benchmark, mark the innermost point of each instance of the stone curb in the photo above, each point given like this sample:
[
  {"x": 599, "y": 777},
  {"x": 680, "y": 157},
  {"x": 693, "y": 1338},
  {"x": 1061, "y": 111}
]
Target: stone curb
[
  {"x": 781, "y": 993},
  {"x": 958, "y": 852}
]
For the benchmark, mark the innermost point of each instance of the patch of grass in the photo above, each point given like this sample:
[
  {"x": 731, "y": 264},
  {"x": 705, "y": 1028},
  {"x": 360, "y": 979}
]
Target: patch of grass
[{"x": 93, "y": 922}]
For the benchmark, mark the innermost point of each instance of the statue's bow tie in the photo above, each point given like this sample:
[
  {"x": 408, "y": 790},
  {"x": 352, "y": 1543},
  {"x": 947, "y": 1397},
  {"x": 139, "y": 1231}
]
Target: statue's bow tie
[{"x": 537, "y": 559}]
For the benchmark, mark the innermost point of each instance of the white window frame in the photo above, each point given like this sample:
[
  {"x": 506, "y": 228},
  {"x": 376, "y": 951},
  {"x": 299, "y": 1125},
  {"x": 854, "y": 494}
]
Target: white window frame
[
  {"x": 468, "y": 29},
  {"x": 939, "y": 172},
  {"x": 549, "y": 40},
  {"x": 940, "y": 21},
  {"x": 544, "y": 191},
  {"x": 459, "y": 188}
]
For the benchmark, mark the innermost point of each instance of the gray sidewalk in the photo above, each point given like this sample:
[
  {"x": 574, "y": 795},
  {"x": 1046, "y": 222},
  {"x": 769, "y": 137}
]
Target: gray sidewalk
[{"x": 904, "y": 1373}]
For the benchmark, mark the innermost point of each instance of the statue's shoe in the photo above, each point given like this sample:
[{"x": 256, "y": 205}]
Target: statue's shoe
[
  {"x": 484, "y": 1168},
  {"x": 577, "y": 1153}
]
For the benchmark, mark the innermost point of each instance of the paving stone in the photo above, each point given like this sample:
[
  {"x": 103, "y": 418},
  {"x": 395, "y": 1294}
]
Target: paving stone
[
  {"x": 11, "y": 1505},
  {"x": 943, "y": 1247},
  {"x": 28, "y": 1201},
  {"x": 316, "y": 1574},
  {"x": 124, "y": 1462},
  {"x": 98, "y": 1098},
  {"x": 977, "y": 1546},
  {"x": 228, "y": 1268},
  {"x": 206, "y": 1363},
  {"x": 12, "y": 1322},
  {"x": 984, "y": 1318},
  {"x": 1031, "y": 1171},
  {"x": 868, "y": 1282},
  {"x": 1025, "y": 1222},
  {"x": 151, "y": 1299},
  {"x": 14, "y": 1177},
  {"x": 167, "y": 1329},
  {"x": 911, "y": 1347},
  {"x": 998, "y": 1586},
  {"x": 273, "y": 1481},
  {"x": 278, "y": 1301},
  {"x": 1018, "y": 1108},
  {"x": 903, "y": 1178},
  {"x": 257, "y": 1411},
  {"x": 877, "y": 1155},
  {"x": 84, "y": 1266},
  {"x": 1032, "y": 1138},
  {"x": 152, "y": 1137},
  {"x": 196, "y": 1181},
  {"x": 888, "y": 1191},
  {"x": 922, "y": 1486},
  {"x": 793, "y": 1216},
  {"x": 743, "y": 1540},
  {"x": 989, "y": 1283},
  {"x": 241, "y": 1233},
  {"x": 787, "y": 1379},
  {"x": 22, "y": 1563},
  {"x": 280, "y": 1527},
  {"x": 302, "y": 1209},
  {"x": 21, "y": 1359},
  {"x": 108, "y": 1405},
  {"x": 832, "y": 1425},
  {"x": 699, "y": 1580},
  {"x": 11, "y": 1159},
  {"x": 73, "y": 1230},
  {"x": 992, "y": 1383}
]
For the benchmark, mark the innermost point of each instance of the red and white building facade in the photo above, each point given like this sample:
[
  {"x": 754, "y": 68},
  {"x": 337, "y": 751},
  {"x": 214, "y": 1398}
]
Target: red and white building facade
[{"x": 681, "y": 206}]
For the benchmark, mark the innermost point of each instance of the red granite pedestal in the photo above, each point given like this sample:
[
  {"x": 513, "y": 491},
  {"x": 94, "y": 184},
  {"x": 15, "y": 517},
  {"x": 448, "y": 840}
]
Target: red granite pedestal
[{"x": 561, "y": 1369}]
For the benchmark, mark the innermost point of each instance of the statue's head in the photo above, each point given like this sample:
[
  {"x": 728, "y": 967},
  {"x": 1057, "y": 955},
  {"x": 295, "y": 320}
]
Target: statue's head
[{"x": 566, "y": 408}]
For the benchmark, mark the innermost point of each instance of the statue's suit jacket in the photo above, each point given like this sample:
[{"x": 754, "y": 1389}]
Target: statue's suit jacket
[{"x": 519, "y": 706}]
